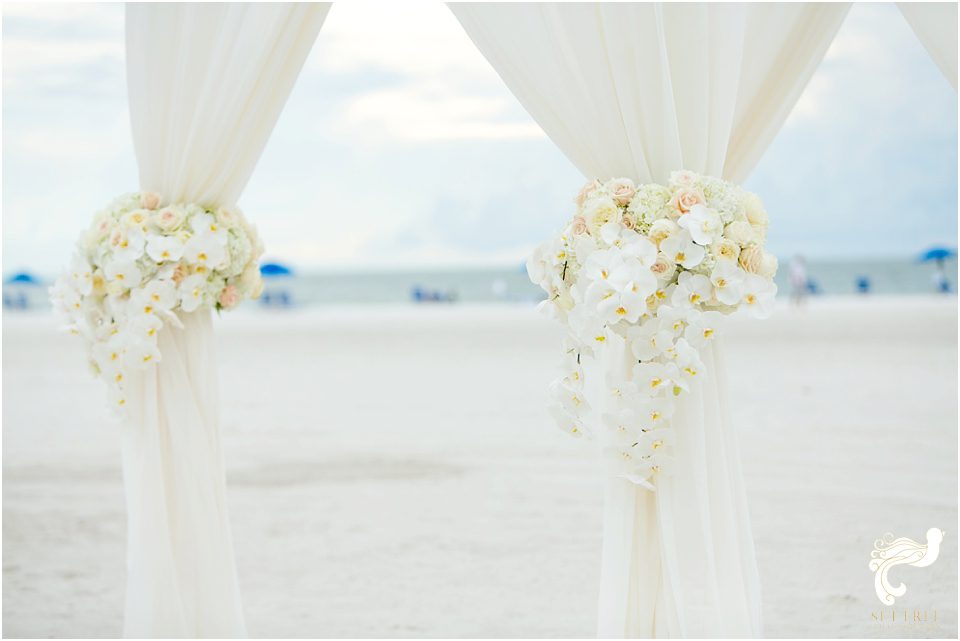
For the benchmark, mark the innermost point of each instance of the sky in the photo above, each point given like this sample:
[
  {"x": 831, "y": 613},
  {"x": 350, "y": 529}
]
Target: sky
[{"x": 400, "y": 147}]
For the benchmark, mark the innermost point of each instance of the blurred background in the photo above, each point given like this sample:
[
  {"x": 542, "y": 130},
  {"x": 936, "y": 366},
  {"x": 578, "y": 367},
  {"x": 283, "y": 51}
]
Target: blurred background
[{"x": 402, "y": 169}]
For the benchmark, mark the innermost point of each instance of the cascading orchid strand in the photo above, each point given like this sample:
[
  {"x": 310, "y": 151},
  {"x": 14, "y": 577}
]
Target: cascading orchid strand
[
  {"x": 139, "y": 265},
  {"x": 653, "y": 268}
]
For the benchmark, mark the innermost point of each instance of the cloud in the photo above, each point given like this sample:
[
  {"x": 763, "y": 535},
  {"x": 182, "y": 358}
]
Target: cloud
[
  {"x": 430, "y": 111},
  {"x": 440, "y": 86},
  {"x": 411, "y": 39},
  {"x": 873, "y": 37},
  {"x": 67, "y": 142},
  {"x": 44, "y": 39}
]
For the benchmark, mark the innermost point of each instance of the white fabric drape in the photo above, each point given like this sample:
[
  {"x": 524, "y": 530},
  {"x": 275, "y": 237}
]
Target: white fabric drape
[
  {"x": 206, "y": 85},
  {"x": 935, "y": 24},
  {"x": 639, "y": 90}
]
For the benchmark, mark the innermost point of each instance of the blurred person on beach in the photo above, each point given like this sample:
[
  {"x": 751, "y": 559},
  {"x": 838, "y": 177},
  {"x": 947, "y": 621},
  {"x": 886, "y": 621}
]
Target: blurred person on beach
[
  {"x": 940, "y": 278},
  {"x": 798, "y": 280}
]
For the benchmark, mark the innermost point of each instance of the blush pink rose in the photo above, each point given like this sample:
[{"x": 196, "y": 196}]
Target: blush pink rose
[
  {"x": 229, "y": 297},
  {"x": 661, "y": 268},
  {"x": 684, "y": 200},
  {"x": 585, "y": 192},
  {"x": 169, "y": 218},
  {"x": 579, "y": 225},
  {"x": 683, "y": 178},
  {"x": 627, "y": 221},
  {"x": 149, "y": 200},
  {"x": 623, "y": 191}
]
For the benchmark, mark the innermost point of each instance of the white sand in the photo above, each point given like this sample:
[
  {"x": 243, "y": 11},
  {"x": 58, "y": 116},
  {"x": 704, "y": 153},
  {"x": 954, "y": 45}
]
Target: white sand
[{"x": 393, "y": 472}]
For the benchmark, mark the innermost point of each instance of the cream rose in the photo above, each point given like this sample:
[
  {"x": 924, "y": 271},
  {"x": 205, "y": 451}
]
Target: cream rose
[
  {"x": 600, "y": 212},
  {"x": 149, "y": 200},
  {"x": 662, "y": 229},
  {"x": 685, "y": 199},
  {"x": 768, "y": 267},
  {"x": 226, "y": 217},
  {"x": 739, "y": 232},
  {"x": 251, "y": 281},
  {"x": 135, "y": 219},
  {"x": 169, "y": 218},
  {"x": 579, "y": 225},
  {"x": 751, "y": 259},
  {"x": 756, "y": 214},
  {"x": 663, "y": 268},
  {"x": 622, "y": 190},
  {"x": 726, "y": 249},
  {"x": 627, "y": 220}
]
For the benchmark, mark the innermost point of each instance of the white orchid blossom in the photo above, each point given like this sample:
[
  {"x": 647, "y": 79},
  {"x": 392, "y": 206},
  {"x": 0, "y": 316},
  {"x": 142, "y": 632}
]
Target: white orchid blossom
[
  {"x": 703, "y": 329},
  {"x": 191, "y": 292},
  {"x": 204, "y": 252},
  {"x": 156, "y": 297},
  {"x": 81, "y": 276},
  {"x": 703, "y": 223},
  {"x": 649, "y": 340},
  {"x": 727, "y": 281},
  {"x": 568, "y": 422},
  {"x": 758, "y": 295},
  {"x": 676, "y": 319},
  {"x": 692, "y": 290},
  {"x": 126, "y": 274},
  {"x": 681, "y": 249},
  {"x": 164, "y": 249},
  {"x": 652, "y": 379},
  {"x": 127, "y": 244}
]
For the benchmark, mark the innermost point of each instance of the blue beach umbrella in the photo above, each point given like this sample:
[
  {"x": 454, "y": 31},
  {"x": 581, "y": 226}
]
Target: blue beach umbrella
[
  {"x": 937, "y": 253},
  {"x": 275, "y": 269},
  {"x": 22, "y": 277}
]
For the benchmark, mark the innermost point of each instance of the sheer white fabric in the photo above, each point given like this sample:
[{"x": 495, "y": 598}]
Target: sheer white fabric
[
  {"x": 206, "y": 85},
  {"x": 935, "y": 24},
  {"x": 639, "y": 90}
]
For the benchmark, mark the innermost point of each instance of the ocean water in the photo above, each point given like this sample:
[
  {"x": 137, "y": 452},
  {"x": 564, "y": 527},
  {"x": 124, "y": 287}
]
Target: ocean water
[
  {"x": 305, "y": 288},
  {"x": 512, "y": 285}
]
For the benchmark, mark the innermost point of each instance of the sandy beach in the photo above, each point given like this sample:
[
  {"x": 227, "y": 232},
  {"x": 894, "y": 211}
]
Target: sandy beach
[{"x": 393, "y": 472}]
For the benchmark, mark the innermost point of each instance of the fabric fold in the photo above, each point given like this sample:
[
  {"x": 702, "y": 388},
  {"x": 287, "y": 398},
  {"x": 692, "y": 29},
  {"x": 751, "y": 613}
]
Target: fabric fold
[
  {"x": 935, "y": 25},
  {"x": 206, "y": 84}
]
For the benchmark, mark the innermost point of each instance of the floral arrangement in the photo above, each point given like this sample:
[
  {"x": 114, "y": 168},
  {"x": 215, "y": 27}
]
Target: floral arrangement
[
  {"x": 654, "y": 269},
  {"x": 139, "y": 265}
]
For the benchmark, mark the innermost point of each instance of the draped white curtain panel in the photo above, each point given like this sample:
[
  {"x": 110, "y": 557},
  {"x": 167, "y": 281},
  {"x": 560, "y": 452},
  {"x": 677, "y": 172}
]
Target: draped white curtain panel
[
  {"x": 206, "y": 85},
  {"x": 935, "y": 24},
  {"x": 639, "y": 90}
]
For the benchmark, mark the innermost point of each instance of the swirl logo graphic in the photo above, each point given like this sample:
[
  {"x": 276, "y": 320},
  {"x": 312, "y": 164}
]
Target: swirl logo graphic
[{"x": 889, "y": 552}]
